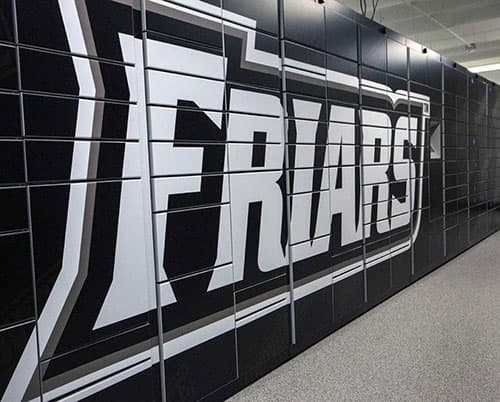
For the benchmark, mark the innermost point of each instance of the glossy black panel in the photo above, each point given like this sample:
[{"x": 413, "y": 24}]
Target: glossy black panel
[
  {"x": 310, "y": 266},
  {"x": 10, "y": 118},
  {"x": 341, "y": 65},
  {"x": 263, "y": 344},
  {"x": 13, "y": 215},
  {"x": 8, "y": 68},
  {"x": 40, "y": 116},
  {"x": 49, "y": 116},
  {"x": 52, "y": 161},
  {"x": 434, "y": 71},
  {"x": 106, "y": 19},
  {"x": 194, "y": 303},
  {"x": 196, "y": 373},
  {"x": 311, "y": 57},
  {"x": 299, "y": 14},
  {"x": 337, "y": 91},
  {"x": 348, "y": 298},
  {"x": 50, "y": 223},
  {"x": 7, "y": 21},
  {"x": 11, "y": 162},
  {"x": 264, "y": 12},
  {"x": 341, "y": 34},
  {"x": 16, "y": 298},
  {"x": 397, "y": 58},
  {"x": 49, "y": 160},
  {"x": 60, "y": 365},
  {"x": 55, "y": 73},
  {"x": 454, "y": 81},
  {"x": 12, "y": 344},
  {"x": 401, "y": 266},
  {"x": 49, "y": 226},
  {"x": 378, "y": 281},
  {"x": 418, "y": 66},
  {"x": 314, "y": 317},
  {"x": 183, "y": 229},
  {"x": 373, "y": 48},
  {"x": 41, "y": 24},
  {"x": 41, "y": 71},
  {"x": 143, "y": 386},
  {"x": 203, "y": 369},
  {"x": 206, "y": 34}
]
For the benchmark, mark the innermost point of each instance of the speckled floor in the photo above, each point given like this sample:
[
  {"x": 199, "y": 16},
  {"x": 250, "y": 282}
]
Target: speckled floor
[{"x": 438, "y": 340}]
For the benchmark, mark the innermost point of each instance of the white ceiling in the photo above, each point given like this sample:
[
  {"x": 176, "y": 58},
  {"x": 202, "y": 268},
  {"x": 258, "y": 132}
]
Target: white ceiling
[{"x": 446, "y": 26}]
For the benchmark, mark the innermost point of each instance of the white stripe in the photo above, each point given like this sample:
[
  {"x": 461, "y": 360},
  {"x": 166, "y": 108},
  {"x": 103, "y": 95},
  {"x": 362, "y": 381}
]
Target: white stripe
[
  {"x": 424, "y": 98},
  {"x": 313, "y": 286},
  {"x": 198, "y": 336},
  {"x": 239, "y": 19},
  {"x": 376, "y": 85},
  {"x": 378, "y": 258},
  {"x": 249, "y": 310},
  {"x": 78, "y": 396},
  {"x": 84, "y": 118},
  {"x": 342, "y": 78},
  {"x": 256, "y": 56},
  {"x": 386, "y": 92},
  {"x": 346, "y": 269},
  {"x": 262, "y": 313},
  {"x": 305, "y": 73},
  {"x": 184, "y": 60},
  {"x": 80, "y": 162},
  {"x": 305, "y": 66},
  {"x": 96, "y": 375},
  {"x": 132, "y": 124},
  {"x": 131, "y": 160},
  {"x": 85, "y": 77},
  {"x": 195, "y": 5},
  {"x": 69, "y": 14},
  {"x": 347, "y": 274}
]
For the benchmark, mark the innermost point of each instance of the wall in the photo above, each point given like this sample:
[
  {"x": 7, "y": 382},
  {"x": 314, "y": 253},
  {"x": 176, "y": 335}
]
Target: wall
[{"x": 193, "y": 194}]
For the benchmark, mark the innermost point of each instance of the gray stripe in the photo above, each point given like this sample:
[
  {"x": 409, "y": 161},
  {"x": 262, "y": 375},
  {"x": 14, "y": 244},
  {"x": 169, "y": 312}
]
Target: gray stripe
[
  {"x": 192, "y": 326},
  {"x": 243, "y": 35},
  {"x": 90, "y": 195},
  {"x": 306, "y": 79},
  {"x": 314, "y": 276},
  {"x": 385, "y": 248},
  {"x": 185, "y": 16},
  {"x": 91, "y": 48},
  {"x": 260, "y": 298},
  {"x": 95, "y": 365}
]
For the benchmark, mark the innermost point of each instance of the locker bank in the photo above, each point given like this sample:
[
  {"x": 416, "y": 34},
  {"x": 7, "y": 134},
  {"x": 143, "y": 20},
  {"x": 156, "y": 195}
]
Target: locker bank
[{"x": 194, "y": 192}]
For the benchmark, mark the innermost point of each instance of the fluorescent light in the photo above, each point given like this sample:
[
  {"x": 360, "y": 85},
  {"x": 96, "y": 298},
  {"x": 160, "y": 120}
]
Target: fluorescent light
[{"x": 487, "y": 67}]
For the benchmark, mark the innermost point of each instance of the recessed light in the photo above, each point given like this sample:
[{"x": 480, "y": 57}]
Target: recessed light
[{"x": 470, "y": 48}]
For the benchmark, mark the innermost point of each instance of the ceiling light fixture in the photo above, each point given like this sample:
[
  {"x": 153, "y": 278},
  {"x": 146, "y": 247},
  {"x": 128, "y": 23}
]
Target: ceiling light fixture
[
  {"x": 485, "y": 68},
  {"x": 470, "y": 48}
]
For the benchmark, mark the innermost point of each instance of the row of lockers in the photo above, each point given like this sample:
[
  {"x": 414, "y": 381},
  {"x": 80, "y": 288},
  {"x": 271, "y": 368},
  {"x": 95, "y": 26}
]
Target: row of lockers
[{"x": 166, "y": 171}]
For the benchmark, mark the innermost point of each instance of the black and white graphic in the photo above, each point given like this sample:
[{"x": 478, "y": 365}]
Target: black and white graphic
[{"x": 197, "y": 190}]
